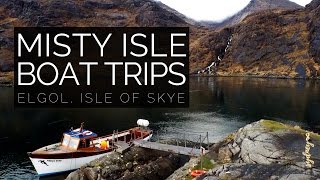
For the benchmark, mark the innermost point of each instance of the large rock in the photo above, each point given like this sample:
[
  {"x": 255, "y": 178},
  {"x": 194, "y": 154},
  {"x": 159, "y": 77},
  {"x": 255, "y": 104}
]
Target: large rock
[
  {"x": 137, "y": 163},
  {"x": 260, "y": 171},
  {"x": 266, "y": 150},
  {"x": 183, "y": 171}
]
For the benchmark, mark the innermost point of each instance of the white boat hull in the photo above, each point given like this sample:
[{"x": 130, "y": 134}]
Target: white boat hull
[{"x": 45, "y": 167}]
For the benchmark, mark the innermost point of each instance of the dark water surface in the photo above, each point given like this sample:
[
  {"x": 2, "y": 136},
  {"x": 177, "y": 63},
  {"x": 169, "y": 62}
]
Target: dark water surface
[{"x": 217, "y": 105}]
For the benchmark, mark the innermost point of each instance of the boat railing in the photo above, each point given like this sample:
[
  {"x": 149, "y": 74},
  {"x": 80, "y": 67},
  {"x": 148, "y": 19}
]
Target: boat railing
[
  {"x": 115, "y": 136},
  {"x": 139, "y": 138},
  {"x": 110, "y": 135}
]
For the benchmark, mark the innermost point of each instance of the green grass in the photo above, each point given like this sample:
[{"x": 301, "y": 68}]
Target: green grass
[
  {"x": 206, "y": 164},
  {"x": 274, "y": 125},
  {"x": 277, "y": 126}
]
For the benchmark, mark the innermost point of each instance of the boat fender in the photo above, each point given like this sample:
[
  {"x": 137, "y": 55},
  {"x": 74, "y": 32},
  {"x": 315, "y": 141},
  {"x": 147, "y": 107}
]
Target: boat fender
[{"x": 143, "y": 122}]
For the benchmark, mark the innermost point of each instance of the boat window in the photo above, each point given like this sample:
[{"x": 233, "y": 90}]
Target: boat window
[
  {"x": 65, "y": 140},
  {"x": 74, "y": 142},
  {"x": 84, "y": 143}
]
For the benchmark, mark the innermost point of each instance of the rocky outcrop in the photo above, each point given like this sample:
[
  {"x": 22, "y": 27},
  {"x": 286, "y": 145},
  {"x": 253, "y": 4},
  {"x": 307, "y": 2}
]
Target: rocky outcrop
[
  {"x": 266, "y": 150},
  {"x": 183, "y": 172},
  {"x": 137, "y": 163},
  {"x": 259, "y": 172}
]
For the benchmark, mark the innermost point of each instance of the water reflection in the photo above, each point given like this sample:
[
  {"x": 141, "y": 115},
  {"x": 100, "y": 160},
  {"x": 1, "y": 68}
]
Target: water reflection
[
  {"x": 254, "y": 98},
  {"x": 217, "y": 105}
]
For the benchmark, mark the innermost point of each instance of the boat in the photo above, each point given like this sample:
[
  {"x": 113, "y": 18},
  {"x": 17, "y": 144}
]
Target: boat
[{"x": 80, "y": 146}]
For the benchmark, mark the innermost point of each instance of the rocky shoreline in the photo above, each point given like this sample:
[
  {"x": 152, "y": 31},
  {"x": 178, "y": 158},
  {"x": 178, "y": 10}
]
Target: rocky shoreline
[
  {"x": 137, "y": 163},
  {"x": 8, "y": 81},
  {"x": 266, "y": 150},
  {"x": 261, "y": 150},
  {"x": 255, "y": 76}
]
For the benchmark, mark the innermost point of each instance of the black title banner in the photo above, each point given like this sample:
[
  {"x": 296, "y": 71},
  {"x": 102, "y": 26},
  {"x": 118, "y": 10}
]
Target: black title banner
[{"x": 101, "y": 67}]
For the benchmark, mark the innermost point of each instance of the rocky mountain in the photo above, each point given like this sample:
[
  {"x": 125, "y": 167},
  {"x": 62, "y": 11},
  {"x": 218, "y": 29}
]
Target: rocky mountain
[
  {"x": 271, "y": 43},
  {"x": 275, "y": 43},
  {"x": 258, "y": 6},
  {"x": 74, "y": 13},
  {"x": 180, "y": 15},
  {"x": 84, "y": 13}
]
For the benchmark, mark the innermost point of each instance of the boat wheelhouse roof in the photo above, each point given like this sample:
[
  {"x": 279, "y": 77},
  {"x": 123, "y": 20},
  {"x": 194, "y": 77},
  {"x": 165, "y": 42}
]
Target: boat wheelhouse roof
[{"x": 84, "y": 134}]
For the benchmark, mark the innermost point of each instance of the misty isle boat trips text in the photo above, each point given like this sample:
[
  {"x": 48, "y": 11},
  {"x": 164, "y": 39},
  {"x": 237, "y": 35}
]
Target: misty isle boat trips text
[{"x": 101, "y": 67}]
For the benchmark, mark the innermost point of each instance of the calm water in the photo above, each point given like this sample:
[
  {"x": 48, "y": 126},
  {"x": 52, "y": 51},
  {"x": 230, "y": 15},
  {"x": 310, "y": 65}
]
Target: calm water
[{"x": 218, "y": 106}]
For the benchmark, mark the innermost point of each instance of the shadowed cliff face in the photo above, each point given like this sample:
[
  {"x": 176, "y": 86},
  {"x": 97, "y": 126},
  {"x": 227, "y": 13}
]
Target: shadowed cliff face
[
  {"x": 282, "y": 43},
  {"x": 314, "y": 28}
]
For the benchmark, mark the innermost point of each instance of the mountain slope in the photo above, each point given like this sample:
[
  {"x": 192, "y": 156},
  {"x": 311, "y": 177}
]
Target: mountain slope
[
  {"x": 73, "y": 13},
  {"x": 273, "y": 43},
  {"x": 257, "y": 6}
]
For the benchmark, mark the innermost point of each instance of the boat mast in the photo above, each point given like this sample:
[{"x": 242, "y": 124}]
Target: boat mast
[{"x": 81, "y": 127}]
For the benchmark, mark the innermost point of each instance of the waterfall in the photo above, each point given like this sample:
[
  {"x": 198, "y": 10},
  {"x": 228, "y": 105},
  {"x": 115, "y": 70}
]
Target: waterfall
[{"x": 216, "y": 62}]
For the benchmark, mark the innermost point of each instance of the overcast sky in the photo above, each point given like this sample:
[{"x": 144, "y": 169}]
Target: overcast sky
[{"x": 212, "y": 10}]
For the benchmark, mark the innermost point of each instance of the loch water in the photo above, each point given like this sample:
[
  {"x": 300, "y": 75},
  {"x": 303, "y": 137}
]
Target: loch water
[{"x": 217, "y": 105}]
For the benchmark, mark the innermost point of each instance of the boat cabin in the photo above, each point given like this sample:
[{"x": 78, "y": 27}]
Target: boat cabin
[{"x": 78, "y": 139}]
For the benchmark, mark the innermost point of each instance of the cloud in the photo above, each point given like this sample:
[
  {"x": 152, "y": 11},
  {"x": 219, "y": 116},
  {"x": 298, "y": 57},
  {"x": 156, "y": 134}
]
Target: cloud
[
  {"x": 212, "y": 10},
  {"x": 301, "y": 2}
]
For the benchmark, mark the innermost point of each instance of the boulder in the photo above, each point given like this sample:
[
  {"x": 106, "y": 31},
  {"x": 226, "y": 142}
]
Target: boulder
[
  {"x": 267, "y": 150},
  {"x": 259, "y": 172},
  {"x": 137, "y": 163}
]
